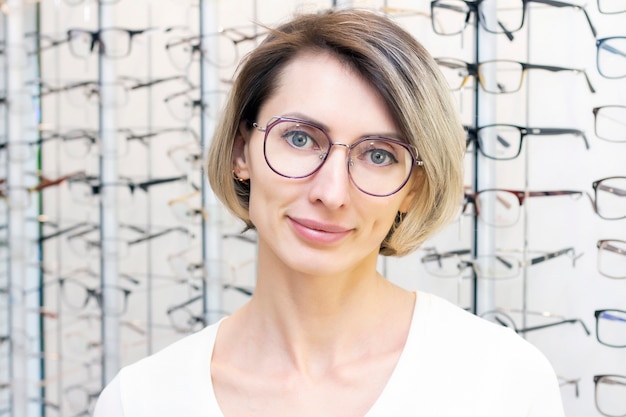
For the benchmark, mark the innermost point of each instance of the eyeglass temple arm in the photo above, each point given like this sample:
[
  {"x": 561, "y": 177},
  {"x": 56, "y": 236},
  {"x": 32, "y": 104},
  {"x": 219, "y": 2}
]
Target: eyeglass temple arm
[
  {"x": 552, "y": 255},
  {"x": 242, "y": 290},
  {"x": 438, "y": 256},
  {"x": 558, "y": 323},
  {"x": 66, "y": 230},
  {"x": 147, "y": 184},
  {"x": 552, "y": 68},
  {"x": 157, "y": 234},
  {"x": 549, "y": 131},
  {"x": 555, "y": 3},
  {"x": 183, "y": 304}
]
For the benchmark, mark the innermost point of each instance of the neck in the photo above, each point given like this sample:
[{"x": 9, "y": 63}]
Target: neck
[{"x": 319, "y": 321}]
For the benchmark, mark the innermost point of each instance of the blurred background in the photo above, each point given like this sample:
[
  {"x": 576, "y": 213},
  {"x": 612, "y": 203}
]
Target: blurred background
[{"x": 113, "y": 246}]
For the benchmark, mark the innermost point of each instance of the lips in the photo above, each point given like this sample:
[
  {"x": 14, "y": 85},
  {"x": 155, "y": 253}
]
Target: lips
[{"x": 319, "y": 232}]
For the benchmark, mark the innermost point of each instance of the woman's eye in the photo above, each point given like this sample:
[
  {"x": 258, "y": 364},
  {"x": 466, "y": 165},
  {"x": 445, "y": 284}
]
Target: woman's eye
[
  {"x": 299, "y": 139},
  {"x": 380, "y": 157}
]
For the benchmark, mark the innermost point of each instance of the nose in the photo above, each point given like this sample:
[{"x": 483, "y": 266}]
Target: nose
[{"x": 330, "y": 184}]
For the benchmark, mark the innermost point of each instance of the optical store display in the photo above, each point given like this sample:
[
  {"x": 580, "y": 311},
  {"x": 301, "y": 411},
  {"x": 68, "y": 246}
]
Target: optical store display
[{"x": 111, "y": 246}]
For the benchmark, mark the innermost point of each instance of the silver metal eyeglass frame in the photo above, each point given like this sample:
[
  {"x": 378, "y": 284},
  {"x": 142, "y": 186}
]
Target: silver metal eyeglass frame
[{"x": 279, "y": 119}]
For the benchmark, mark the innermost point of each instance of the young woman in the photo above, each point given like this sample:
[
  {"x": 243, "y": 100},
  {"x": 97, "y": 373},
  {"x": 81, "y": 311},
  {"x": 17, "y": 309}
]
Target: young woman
[{"x": 339, "y": 142}]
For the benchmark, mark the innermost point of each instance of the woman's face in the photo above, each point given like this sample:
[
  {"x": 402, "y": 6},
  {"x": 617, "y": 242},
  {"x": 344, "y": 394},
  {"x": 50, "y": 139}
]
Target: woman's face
[{"x": 321, "y": 224}]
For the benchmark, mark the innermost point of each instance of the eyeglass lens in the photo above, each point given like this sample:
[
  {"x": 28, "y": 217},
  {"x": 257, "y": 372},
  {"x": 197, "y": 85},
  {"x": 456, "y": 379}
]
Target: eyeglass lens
[
  {"x": 451, "y": 16},
  {"x": 611, "y": 198},
  {"x": 610, "y": 123},
  {"x": 500, "y": 142},
  {"x": 612, "y": 258},
  {"x": 113, "y": 42},
  {"x": 610, "y": 395},
  {"x": 611, "y": 327},
  {"x": 498, "y": 207},
  {"x": 611, "y": 6},
  {"x": 611, "y": 57},
  {"x": 297, "y": 149}
]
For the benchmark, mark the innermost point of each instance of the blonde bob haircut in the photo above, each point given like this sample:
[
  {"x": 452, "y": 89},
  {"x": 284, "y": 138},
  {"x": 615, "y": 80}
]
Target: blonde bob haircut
[{"x": 406, "y": 77}]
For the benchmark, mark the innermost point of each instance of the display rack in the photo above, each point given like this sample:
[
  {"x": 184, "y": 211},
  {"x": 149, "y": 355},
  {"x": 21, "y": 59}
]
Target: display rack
[{"x": 124, "y": 248}]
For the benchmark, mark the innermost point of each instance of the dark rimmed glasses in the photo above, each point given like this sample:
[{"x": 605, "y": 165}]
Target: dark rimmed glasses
[
  {"x": 610, "y": 123},
  {"x": 610, "y": 395},
  {"x": 508, "y": 18},
  {"x": 377, "y": 166},
  {"x": 498, "y": 76},
  {"x": 611, "y": 327},
  {"x": 611, "y": 57},
  {"x": 504, "y": 141},
  {"x": 112, "y": 42},
  {"x": 612, "y": 258},
  {"x": 77, "y": 296}
]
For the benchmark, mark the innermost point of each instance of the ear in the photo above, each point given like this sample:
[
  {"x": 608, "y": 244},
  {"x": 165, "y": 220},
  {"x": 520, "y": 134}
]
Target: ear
[
  {"x": 240, "y": 152},
  {"x": 414, "y": 185},
  {"x": 408, "y": 201}
]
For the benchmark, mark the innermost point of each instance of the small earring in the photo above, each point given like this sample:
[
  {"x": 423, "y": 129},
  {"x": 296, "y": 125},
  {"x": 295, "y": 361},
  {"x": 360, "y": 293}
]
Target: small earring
[{"x": 241, "y": 180}]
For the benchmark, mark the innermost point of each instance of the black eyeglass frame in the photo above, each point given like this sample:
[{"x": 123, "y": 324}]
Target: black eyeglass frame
[
  {"x": 474, "y": 5},
  {"x": 473, "y": 136},
  {"x": 597, "y": 315}
]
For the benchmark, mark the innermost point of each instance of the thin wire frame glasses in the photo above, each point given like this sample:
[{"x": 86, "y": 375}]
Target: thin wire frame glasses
[
  {"x": 610, "y": 123},
  {"x": 377, "y": 166},
  {"x": 610, "y": 395},
  {"x": 498, "y": 266},
  {"x": 611, "y": 327},
  {"x": 502, "y": 317},
  {"x": 220, "y": 49},
  {"x": 503, "y": 142},
  {"x": 611, "y": 57}
]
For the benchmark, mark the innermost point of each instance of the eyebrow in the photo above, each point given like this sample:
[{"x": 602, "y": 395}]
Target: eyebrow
[{"x": 303, "y": 117}]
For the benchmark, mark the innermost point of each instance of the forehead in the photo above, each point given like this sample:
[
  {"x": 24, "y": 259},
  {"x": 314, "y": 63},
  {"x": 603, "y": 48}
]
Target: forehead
[{"x": 318, "y": 87}]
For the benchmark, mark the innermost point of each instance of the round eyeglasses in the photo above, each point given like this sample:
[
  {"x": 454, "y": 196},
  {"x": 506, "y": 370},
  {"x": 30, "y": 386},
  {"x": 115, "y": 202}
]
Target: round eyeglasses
[{"x": 377, "y": 166}]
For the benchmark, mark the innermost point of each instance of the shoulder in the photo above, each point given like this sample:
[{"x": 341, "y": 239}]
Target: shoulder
[
  {"x": 491, "y": 365},
  {"x": 174, "y": 358},
  {"x": 168, "y": 381}
]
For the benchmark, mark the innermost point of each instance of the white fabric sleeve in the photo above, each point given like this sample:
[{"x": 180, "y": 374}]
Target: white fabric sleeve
[{"x": 109, "y": 402}]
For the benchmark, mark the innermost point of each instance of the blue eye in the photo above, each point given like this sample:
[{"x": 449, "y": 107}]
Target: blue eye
[
  {"x": 381, "y": 157},
  {"x": 298, "y": 139}
]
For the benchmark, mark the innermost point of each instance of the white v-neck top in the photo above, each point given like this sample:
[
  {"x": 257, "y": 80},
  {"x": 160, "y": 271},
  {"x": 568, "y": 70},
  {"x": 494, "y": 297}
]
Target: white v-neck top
[{"x": 454, "y": 364}]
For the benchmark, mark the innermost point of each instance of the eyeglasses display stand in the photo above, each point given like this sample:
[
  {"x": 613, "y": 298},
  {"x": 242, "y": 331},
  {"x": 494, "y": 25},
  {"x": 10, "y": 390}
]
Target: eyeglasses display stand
[{"x": 113, "y": 245}]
